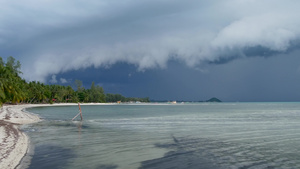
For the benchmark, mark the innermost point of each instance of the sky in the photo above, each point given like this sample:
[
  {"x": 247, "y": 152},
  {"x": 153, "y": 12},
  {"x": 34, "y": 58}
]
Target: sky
[{"x": 235, "y": 50}]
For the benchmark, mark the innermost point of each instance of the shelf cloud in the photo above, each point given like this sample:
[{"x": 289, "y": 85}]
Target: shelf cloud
[{"x": 52, "y": 37}]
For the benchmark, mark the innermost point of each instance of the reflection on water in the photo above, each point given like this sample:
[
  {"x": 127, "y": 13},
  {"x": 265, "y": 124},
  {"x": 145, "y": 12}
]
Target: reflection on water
[
  {"x": 240, "y": 135},
  {"x": 79, "y": 126}
]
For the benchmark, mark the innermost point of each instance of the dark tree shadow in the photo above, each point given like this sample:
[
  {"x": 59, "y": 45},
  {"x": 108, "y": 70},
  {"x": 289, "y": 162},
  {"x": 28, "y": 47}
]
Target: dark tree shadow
[
  {"x": 184, "y": 154},
  {"x": 51, "y": 157}
]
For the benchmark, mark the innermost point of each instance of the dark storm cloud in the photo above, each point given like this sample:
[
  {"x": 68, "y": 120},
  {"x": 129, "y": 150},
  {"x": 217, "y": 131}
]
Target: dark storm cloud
[
  {"x": 248, "y": 79},
  {"x": 51, "y": 37}
]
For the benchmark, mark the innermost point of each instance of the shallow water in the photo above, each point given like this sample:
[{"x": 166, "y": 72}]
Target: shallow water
[{"x": 205, "y": 135}]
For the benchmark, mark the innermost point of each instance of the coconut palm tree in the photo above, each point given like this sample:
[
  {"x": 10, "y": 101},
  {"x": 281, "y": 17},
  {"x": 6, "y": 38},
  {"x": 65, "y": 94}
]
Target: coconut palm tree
[{"x": 10, "y": 86}]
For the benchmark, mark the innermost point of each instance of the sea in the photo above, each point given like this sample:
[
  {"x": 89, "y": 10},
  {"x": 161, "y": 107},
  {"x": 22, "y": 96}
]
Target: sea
[{"x": 166, "y": 136}]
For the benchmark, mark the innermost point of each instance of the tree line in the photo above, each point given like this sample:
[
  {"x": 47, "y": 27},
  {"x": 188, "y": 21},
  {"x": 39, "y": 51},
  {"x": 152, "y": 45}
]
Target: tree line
[{"x": 14, "y": 89}]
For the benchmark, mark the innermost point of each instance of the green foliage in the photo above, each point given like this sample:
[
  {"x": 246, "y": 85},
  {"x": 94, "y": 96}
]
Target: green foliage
[
  {"x": 117, "y": 97},
  {"x": 1, "y": 62},
  {"x": 11, "y": 85},
  {"x": 81, "y": 96},
  {"x": 13, "y": 65},
  {"x": 96, "y": 93},
  {"x": 78, "y": 84},
  {"x": 114, "y": 98},
  {"x": 136, "y": 99},
  {"x": 35, "y": 92}
]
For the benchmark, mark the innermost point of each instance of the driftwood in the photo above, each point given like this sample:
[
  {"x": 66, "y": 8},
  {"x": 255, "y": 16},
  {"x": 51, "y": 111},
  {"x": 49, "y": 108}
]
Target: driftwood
[{"x": 80, "y": 113}]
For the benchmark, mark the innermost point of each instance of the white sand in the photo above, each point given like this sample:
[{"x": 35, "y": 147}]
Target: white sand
[{"x": 14, "y": 143}]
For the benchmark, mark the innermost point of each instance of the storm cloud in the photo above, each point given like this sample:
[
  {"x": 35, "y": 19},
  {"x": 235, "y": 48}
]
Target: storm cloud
[{"x": 52, "y": 37}]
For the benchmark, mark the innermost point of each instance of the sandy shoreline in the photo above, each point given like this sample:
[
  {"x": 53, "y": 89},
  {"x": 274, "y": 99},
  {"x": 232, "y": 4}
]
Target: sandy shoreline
[{"x": 14, "y": 144}]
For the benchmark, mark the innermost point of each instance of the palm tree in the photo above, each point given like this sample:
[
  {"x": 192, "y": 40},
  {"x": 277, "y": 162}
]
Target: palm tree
[
  {"x": 3, "y": 84},
  {"x": 70, "y": 93},
  {"x": 10, "y": 86}
]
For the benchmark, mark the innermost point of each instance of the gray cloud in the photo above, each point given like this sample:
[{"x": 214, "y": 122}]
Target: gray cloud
[
  {"x": 63, "y": 80},
  {"x": 53, "y": 79},
  {"x": 58, "y": 36}
]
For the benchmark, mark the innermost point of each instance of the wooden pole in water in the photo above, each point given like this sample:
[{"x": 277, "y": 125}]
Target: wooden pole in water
[
  {"x": 80, "y": 113},
  {"x": 75, "y": 116}
]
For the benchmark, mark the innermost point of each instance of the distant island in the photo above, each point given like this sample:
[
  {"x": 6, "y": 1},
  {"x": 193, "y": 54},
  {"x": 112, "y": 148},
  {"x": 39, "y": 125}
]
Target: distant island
[{"x": 213, "y": 100}]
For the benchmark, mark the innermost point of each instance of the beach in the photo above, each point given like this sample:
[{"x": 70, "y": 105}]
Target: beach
[{"x": 13, "y": 142}]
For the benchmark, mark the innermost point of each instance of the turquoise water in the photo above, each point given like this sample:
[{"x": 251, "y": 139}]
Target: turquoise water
[{"x": 204, "y": 135}]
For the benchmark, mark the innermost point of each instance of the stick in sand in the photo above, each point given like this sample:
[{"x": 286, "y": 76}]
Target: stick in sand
[{"x": 80, "y": 113}]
